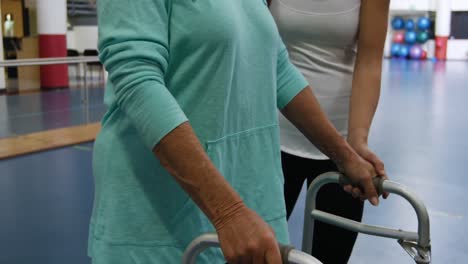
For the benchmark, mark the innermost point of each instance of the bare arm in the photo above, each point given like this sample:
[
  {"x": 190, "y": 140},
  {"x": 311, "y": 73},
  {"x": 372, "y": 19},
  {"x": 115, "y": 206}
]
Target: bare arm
[
  {"x": 188, "y": 163},
  {"x": 244, "y": 236},
  {"x": 367, "y": 76},
  {"x": 305, "y": 113}
]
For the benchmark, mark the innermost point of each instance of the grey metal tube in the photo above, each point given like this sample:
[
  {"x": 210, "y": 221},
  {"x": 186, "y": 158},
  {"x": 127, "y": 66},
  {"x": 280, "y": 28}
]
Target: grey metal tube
[
  {"x": 329, "y": 177},
  {"x": 198, "y": 246},
  {"x": 422, "y": 237},
  {"x": 86, "y": 89},
  {"x": 299, "y": 257},
  {"x": 211, "y": 240},
  {"x": 354, "y": 226},
  {"x": 48, "y": 61}
]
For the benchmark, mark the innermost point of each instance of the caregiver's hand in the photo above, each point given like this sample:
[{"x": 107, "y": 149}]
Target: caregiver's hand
[
  {"x": 245, "y": 238},
  {"x": 305, "y": 113},
  {"x": 360, "y": 172},
  {"x": 361, "y": 147}
]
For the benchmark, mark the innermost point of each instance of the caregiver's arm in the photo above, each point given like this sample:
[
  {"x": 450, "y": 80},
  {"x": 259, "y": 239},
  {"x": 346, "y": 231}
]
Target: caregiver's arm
[
  {"x": 367, "y": 77},
  {"x": 305, "y": 113},
  {"x": 300, "y": 106}
]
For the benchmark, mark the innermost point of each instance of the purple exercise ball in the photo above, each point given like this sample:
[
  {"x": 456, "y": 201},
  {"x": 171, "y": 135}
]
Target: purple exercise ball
[{"x": 416, "y": 52}]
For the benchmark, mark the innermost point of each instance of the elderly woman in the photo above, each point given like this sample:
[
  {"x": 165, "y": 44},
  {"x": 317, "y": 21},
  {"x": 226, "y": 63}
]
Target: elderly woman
[{"x": 190, "y": 142}]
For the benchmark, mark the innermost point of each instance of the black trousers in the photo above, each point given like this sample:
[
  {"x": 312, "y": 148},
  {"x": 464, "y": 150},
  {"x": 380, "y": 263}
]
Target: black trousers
[{"x": 331, "y": 245}]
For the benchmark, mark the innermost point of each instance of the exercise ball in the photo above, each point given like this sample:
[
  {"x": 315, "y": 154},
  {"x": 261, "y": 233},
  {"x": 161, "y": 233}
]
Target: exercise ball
[
  {"x": 424, "y": 55},
  {"x": 410, "y": 37},
  {"x": 398, "y": 23},
  {"x": 395, "y": 49},
  {"x": 409, "y": 25},
  {"x": 416, "y": 52},
  {"x": 422, "y": 36},
  {"x": 399, "y": 37},
  {"x": 424, "y": 23},
  {"x": 403, "y": 51}
]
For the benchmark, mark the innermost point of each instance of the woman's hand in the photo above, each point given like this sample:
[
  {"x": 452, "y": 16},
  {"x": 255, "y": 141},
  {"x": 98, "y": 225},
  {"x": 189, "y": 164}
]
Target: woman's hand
[
  {"x": 245, "y": 238},
  {"x": 363, "y": 150},
  {"x": 360, "y": 173},
  {"x": 305, "y": 113}
]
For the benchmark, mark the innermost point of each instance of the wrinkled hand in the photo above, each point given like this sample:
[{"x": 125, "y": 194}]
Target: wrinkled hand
[
  {"x": 246, "y": 239},
  {"x": 366, "y": 153}
]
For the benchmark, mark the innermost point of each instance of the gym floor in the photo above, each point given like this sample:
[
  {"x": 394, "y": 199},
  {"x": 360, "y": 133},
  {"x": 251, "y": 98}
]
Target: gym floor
[
  {"x": 36, "y": 112},
  {"x": 419, "y": 131}
]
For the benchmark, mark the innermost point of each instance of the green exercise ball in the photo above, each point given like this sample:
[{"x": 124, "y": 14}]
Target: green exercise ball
[{"x": 422, "y": 36}]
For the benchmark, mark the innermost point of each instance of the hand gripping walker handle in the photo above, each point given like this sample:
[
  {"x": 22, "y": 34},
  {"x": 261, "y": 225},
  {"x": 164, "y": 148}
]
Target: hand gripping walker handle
[
  {"x": 288, "y": 253},
  {"x": 417, "y": 244}
]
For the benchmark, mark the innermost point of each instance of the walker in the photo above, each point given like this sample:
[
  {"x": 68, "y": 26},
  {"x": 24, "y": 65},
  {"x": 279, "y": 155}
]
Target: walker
[
  {"x": 416, "y": 244},
  {"x": 288, "y": 253}
]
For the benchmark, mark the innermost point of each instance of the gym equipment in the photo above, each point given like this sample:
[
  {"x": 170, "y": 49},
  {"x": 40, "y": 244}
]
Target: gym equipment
[
  {"x": 395, "y": 49},
  {"x": 410, "y": 37},
  {"x": 416, "y": 52},
  {"x": 424, "y": 23},
  {"x": 416, "y": 244},
  {"x": 398, "y": 23},
  {"x": 288, "y": 253},
  {"x": 424, "y": 55},
  {"x": 399, "y": 37},
  {"x": 404, "y": 51},
  {"x": 422, "y": 37},
  {"x": 409, "y": 25}
]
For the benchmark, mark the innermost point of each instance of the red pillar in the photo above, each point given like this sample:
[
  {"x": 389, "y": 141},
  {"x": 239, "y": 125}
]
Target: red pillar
[
  {"x": 52, "y": 27},
  {"x": 442, "y": 28}
]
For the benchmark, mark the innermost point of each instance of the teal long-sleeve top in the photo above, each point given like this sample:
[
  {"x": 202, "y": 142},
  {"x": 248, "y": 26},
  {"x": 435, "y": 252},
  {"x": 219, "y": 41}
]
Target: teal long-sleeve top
[{"x": 219, "y": 64}]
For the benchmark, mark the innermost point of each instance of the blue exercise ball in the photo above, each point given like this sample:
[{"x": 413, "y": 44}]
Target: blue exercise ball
[
  {"x": 404, "y": 51},
  {"x": 424, "y": 23},
  {"x": 398, "y": 23},
  {"x": 409, "y": 25},
  {"x": 410, "y": 37},
  {"x": 395, "y": 49}
]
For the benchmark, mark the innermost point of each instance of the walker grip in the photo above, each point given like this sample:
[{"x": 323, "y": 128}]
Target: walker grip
[{"x": 378, "y": 183}]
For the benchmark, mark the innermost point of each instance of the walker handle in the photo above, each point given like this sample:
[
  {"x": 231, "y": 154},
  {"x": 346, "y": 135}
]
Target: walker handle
[
  {"x": 288, "y": 253},
  {"x": 419, "y": 241}
]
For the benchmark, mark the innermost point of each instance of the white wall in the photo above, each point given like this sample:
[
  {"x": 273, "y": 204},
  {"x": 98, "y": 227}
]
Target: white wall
[
  {"x": 457, "y": 49},
  {"x": 2, "y": 70},
  {"x": 51, "y": 17},
  {"x": 82, "y": 37},
  {"x": 425, "y": 5}
]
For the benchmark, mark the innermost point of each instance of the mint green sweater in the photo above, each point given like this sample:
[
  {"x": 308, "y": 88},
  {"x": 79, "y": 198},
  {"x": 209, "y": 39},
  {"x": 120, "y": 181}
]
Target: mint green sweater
[{"x": 219, "y": 64}]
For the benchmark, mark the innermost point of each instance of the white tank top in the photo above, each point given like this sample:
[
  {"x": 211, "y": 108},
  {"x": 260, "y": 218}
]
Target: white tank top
[{"x": 321, "y": 37}]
